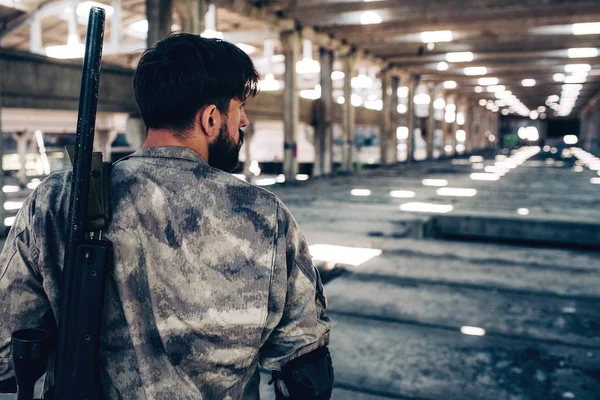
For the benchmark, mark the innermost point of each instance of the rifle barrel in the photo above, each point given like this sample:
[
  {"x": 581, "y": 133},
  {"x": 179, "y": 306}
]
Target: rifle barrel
[{"x": 80, "y": 185}]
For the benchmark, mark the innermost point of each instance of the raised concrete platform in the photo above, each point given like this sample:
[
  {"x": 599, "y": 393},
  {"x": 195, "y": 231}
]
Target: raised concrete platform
[{"x": 518, "y": 230}]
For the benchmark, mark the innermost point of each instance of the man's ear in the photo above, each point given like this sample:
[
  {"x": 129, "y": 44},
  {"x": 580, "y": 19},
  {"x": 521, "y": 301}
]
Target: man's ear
[{"x": 210, "y": 120}]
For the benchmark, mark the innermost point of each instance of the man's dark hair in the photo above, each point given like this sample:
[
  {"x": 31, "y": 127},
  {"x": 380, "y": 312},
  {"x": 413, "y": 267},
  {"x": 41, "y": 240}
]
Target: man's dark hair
[{"x": 186, "y": 72}]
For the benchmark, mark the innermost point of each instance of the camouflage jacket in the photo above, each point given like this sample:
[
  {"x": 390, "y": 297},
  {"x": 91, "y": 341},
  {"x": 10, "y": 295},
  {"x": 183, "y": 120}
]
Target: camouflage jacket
[{"x": 212, "y": 276}]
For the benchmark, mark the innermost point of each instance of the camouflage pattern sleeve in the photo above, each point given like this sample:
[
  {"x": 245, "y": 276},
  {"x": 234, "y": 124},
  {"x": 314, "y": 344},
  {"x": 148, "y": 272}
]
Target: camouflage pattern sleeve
[
  {"x": 297, "y": 322},
  {"x": 22, "y": 298}
]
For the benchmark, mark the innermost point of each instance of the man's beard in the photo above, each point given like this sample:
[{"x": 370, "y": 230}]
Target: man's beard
[{"x": 223, "y": 153}]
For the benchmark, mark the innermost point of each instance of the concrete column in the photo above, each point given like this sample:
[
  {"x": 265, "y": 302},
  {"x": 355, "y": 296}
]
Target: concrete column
[
  {"x": 135, "y": 132},
  {"x": 291, "y": 104},
  {"x": 103, "y": 140},
  {"x": 248, "y": 135},
  {"x": 454, "y": 128},
  {"x": 444, "y": 135},
  {"x": 395, "y": 83},
  {"x": 431, "y": 121},
  {"x": 2, "y": 195},
  {"x": 468, "y": 128},
  {"x": 493, "y": 129},
  {"x": 411, "y": 123},
  {"x": 478, "y": 132},
  {"x": 348, "y": 115},
  {"x": 483, "y": 140},
  {"x": 496, "y": 130},
  {"x": 158, "y": 13},
  {"x": 386, "y": 124},
  {"x": 191, "y": 13},
  {"x": 22, "y": 138},
  {"x": 324, "y": 128}
]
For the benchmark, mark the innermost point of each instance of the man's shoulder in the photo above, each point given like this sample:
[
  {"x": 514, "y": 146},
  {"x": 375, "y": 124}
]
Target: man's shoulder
[
  {"x": 251, "y": 190},
  {"x": 55, "y": 184}
]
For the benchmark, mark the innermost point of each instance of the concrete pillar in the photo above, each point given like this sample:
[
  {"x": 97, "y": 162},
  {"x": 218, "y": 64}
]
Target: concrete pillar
[
  {"x": 395, "y": 83},
  {"x": 324, "y": 128},
  {"x": 483, "y": 140},
  {"x": 158, "y": 13},
  {"x": 449, "y": 126},
  {"x": 475, "y": 127},
  {"x": 444, "y": 135},
  {"x": 22, "y": 138},
  {"x": 431, "y": 122},
  {"x": 135, "y": 132},
  {"x": 191, "y": 14},
  {"x": 103, "y": 139},
  {"x": 454, "y": 128},
  {"x": 496, "y": 130},
  {"x": 248, "y": 136},
  {"x": 290, "y": 42},
  {"x": 411, "y": 123},
  {"x": 2, "y": 195},
  {"x": 468, "y": 128},
  {"x": 348, "y": 115},
  {"x": 389, "y": 118}
]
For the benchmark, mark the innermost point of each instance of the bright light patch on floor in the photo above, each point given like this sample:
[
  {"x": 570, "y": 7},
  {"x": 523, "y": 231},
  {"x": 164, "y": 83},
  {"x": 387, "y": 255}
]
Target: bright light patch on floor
[
  {"x": 595, "y": 181},
  {"x": 523, "y": 211},
  {"x": 460, "y": 161},
  {"x": 265, "y": 181},
  {"x": 472, "y": 331},
  {"x": 476, "y": 159},
  {"x": 240, "y": 176},
  {"x": 568, "y": 310},
  {"x": 301, "y": 177},
  {"x": 456, "y": 192},
  {"x": 478, "y": 166},
  {"x": 435, "y": 182},
  {"x": 495, "y": 170},
  {"x": 481, "y": 176},
  {"x": 360, "y": 192},
  {"x": 9, "y": 221},
  {"x": 10, "y": 189},
  {"x": 280, "y": 178},
  {"x": 333, "y": 254},
  {"x": 427, "y": 207},
  {"x": 570, "y": 139},
  {"x": 403, "y": 194},
  {"x": 13, "y": 205}
]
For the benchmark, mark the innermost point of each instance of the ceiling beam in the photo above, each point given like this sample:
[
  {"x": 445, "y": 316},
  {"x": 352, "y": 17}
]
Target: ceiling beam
[
  {"x": 482, "y": 44},
  {"x": 546, "y": 68},
  {"x": 491, "y": 58},
  {"x": 565, "y": 14},
  {"x": 408, "y": 10},
  {"x": 242, "y": 7}
]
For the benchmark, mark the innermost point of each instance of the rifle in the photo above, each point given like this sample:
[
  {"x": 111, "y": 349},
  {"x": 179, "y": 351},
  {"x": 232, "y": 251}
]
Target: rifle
[{"x": 87, "y": 258}]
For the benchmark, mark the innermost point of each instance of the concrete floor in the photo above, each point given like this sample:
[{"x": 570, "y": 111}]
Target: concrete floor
[{"x": 398, "y": 317}]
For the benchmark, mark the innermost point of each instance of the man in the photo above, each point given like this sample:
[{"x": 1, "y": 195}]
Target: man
[{"x": 211, "y": 275}]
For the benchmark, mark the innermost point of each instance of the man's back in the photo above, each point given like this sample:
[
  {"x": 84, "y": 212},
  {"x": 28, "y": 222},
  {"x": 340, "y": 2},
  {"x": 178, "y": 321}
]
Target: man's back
[{"x": 211, "y": 275}]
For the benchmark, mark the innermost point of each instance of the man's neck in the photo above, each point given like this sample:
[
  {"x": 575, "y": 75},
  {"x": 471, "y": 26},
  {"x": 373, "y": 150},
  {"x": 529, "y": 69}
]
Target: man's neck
[{"x": 165, "y": 137}]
